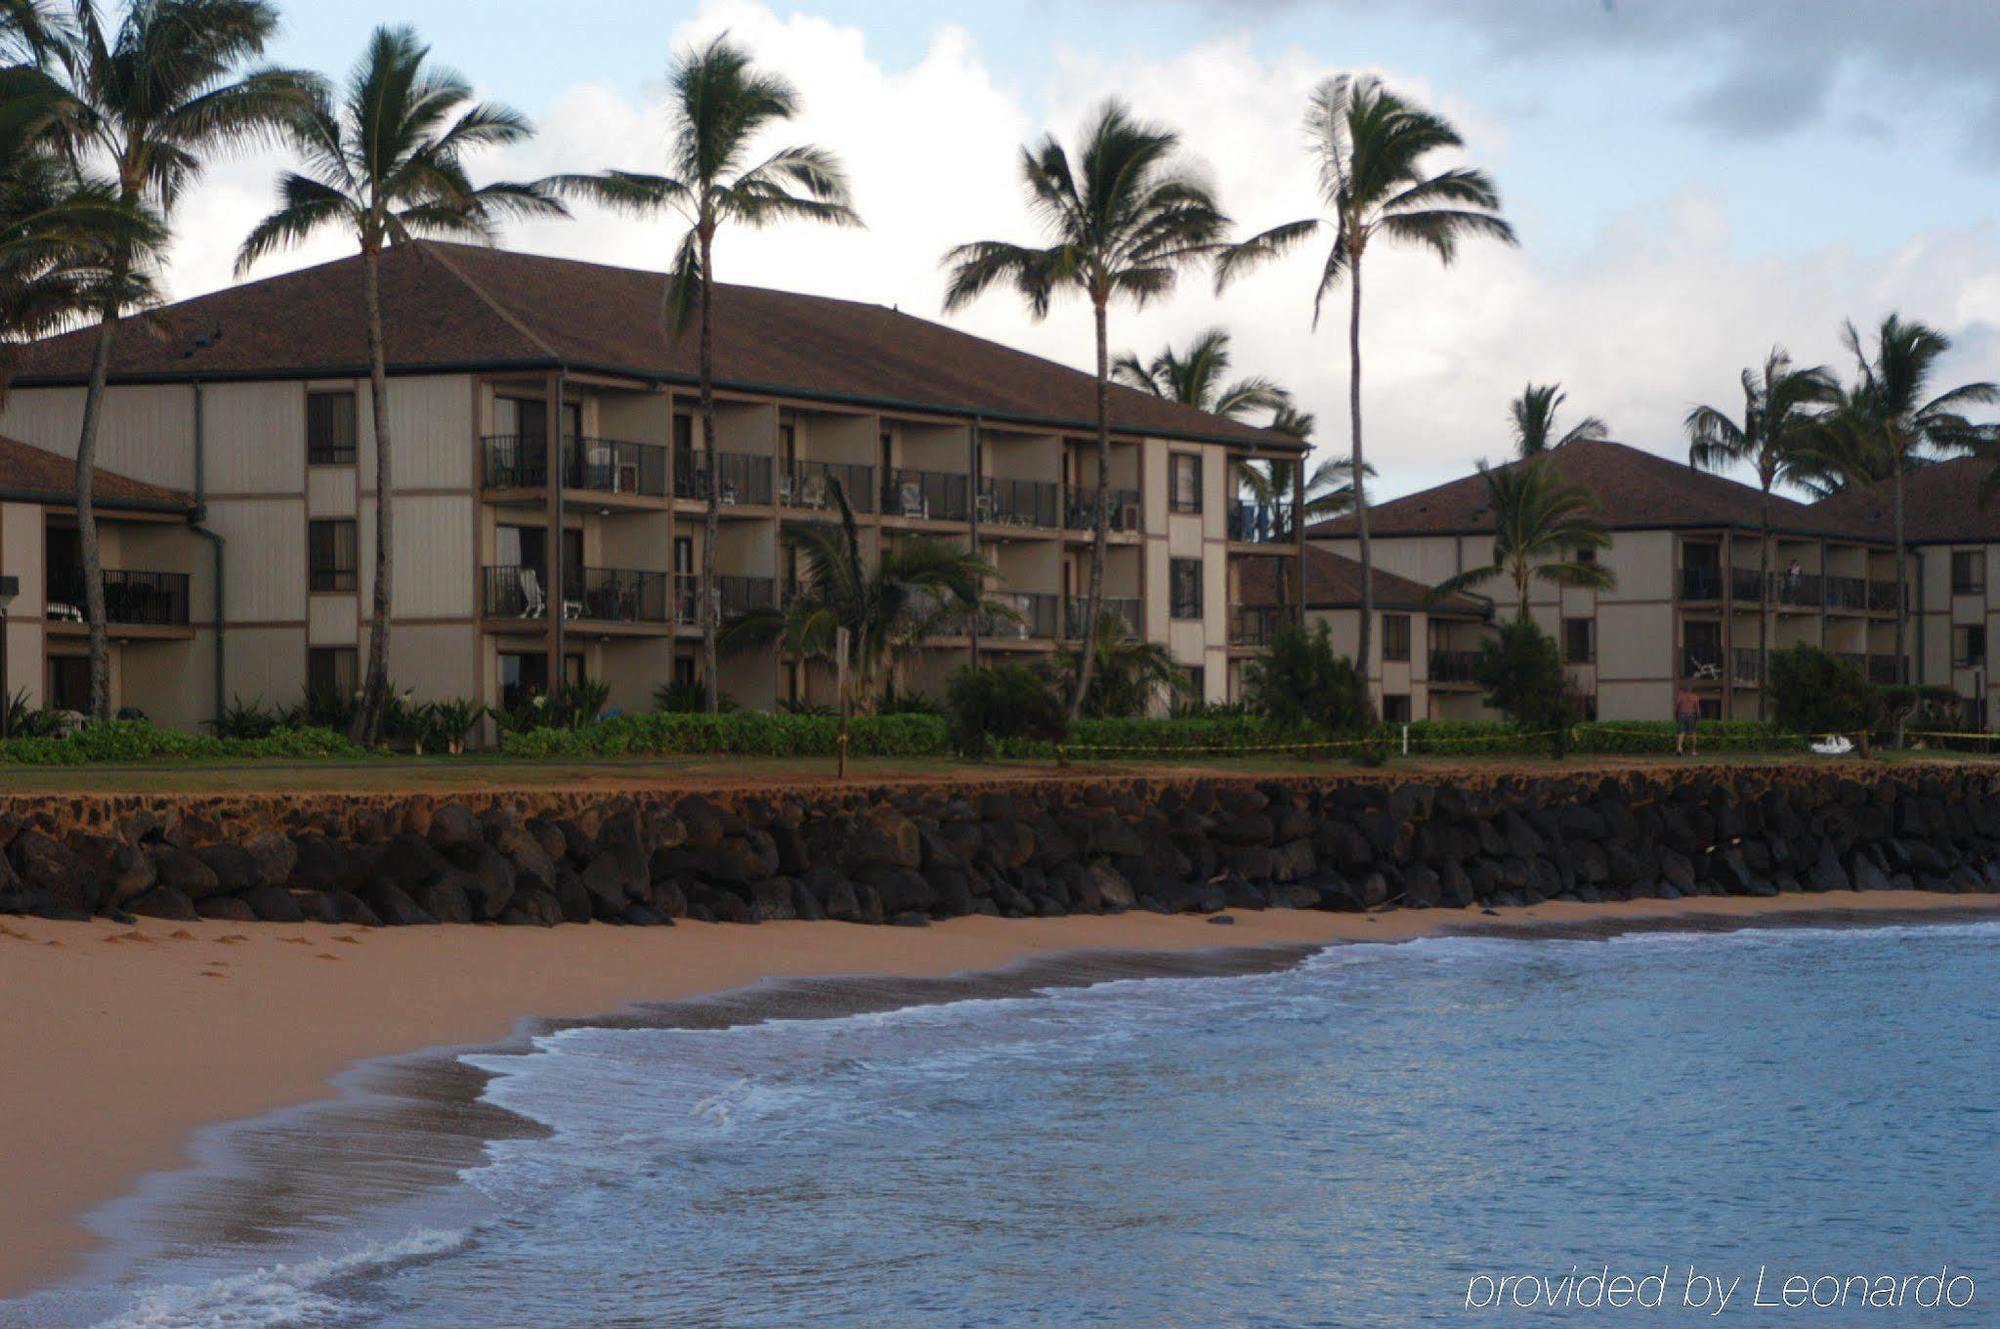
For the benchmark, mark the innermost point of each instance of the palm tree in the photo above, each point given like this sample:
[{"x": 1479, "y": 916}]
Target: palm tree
[
  {"x": 1782, "y": 409},
  {"x": 1128, "y": 673},
  {"x": 1534, "y": 413},
  {"x": 1195, "y": 377},
  {"x": 914, "y": 589},
  {"x": 1329, "y": 486},
  {"x": 153, "y": 98},
  {"x": 721, "y": 102},
  {"x": 1540, "y": 523},
  {"x": 386, "y": 165},
  {"x": 1121, "y": 223},
  {"x": 1369, "y": 146},
  {"x": 1292, "y": 422},
  {"x": 1891, "y": 414}
]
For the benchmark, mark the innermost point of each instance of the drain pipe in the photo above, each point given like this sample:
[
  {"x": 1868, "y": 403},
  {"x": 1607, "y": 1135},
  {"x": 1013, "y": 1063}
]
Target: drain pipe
[{"x": 216, "y": 543}]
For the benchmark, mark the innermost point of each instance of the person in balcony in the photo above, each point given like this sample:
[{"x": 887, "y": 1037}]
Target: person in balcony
[{"x": 1794, "y": 574}]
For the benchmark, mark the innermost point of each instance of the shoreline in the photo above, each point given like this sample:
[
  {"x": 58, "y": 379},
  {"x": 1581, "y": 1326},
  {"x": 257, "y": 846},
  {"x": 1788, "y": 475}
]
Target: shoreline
[{"x": 123, "y": 1043}]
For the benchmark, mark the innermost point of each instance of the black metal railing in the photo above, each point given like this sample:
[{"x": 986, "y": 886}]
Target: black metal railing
[
  {"x": 1801, "y": 590},
  {"x": 931, "y": 495},
  {"x": 1846, "y": 593},
  {"x": 598, "y": 595},
  {"x": 734, "y": 596},
  {"x": 1701, "y": 583},
  {"x": 1453, "y": 666},
  {"x": 1882, "y": 597},
  {"x": 1125, "y": 607},
  {"x": 811, "y": 484},
  {"x": 1260, "y": 523},
  {"x": 1080, "y": 510},
  {"x": 136, "y": 599},
  {"x": 1746, "y": 584},
  {"x": 734, "y": 477},
  {"x": 601, "y": 465},
  {"x": 1020, "y": 502},
  {"x": 1256, "y": 625},
  {"x": 1745, "y": 666},
  {"x": 1033, "y": 616}
]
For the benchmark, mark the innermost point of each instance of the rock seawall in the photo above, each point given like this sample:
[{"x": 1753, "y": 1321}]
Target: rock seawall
[{"x": 909, "y": 854}]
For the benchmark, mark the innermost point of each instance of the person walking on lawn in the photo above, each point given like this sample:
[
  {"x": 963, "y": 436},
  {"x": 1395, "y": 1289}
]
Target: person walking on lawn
[{"x": 1687, "y": 719}]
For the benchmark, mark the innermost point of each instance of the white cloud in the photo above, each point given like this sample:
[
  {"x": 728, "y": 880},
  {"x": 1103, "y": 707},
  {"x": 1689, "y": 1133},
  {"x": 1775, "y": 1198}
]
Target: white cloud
[{"x": 1657, "y": 313}]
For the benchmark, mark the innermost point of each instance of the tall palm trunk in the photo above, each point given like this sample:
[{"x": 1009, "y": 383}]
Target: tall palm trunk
[
  {"x": 367, "y": 726},
  {"x": 1093, "y": 603},
  {"x": 1902, "y": 600},
  {"x": 86, "y": 516},
  {"x": 1764, "y": 600},
  {"x": 712, "y": 515},
  {"x": 1367, "y": 635}
]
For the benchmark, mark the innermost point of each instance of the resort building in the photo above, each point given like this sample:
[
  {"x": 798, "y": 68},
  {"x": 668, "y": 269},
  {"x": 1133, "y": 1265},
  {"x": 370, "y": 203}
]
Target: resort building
[
  {"x": 1954, "y": 539},
  {"x": 1420, "y": 665},
  {"x": 1688, "y": 595},
  {"x": 550, "y": 481}
]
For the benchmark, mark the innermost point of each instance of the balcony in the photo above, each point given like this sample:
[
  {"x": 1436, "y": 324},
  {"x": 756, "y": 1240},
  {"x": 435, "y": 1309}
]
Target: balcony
[
  {"x": 131, "y": 599},
  {"x": 596, "y": 595},
  {"x": 1882, "y": 597},
  {"x": 1035, "y": 617},
  {"x": 1124, "y": 606},
  {"x": 1260, "y": 523},
  {"x": 1746, "y": 584},
  {"x": 735, "y": 596},
  {"x": 1457, "y": 667},
  {"x": 1702, "y": 664},
  {"x": 1701, "y": 583},
  {"x": 1744, "y": 667},
  {"x": 1080, "y": 512},
  {"x": 736, "y": 478},
  {"x": 1256, "y": 625},
  {"x": 811, "y": 485},
  {"x": 1847, "y": 593},
  {"x": 1020, "y": 503},
  {"x": 597, "y": 465},
  {"x": 927, "y": 495},
  {"x": 1797, "y": 590}
]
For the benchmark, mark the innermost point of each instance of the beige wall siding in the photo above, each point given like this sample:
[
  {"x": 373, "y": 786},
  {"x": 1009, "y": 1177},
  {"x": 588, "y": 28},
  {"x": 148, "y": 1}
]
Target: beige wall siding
[
  {"x": 254, "y": 438},
  {"x": 265, "y": 662},
  {"x": 266, "y": 576},
  {"x": 146, "y": 431},
  {"x": 330, "y": 491},
  {"x": 333, "y": 620}
]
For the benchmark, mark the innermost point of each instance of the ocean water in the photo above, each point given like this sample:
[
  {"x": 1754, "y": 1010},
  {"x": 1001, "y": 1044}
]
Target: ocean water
[{"x": 1358, "y": 1140}]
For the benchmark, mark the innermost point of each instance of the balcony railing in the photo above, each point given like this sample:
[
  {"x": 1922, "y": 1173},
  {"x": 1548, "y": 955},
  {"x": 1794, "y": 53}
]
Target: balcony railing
[
  {"x": 1701, "y": 583},
  {"x": 734, "y": 596},
  {"x": 736, "y": 477},
  {"x": 1125, "y": 606},
  {"x": 1448, "y": 666},
  {"x": 600, "y": 465},
  {"x": 1020, "y": 502},
  {"x": 1080, "y": 510},
  {"x": 598, "y": 595},
  {"x": 1702, "y": 663},
  {"x": 1846, "y": 593},
  {"x": 1798, "y": 590},
  {"x": 931, "y": 495},
  {"x": 811, "y": 484},
  {"x": 1256, "y": 625},
  {"x": 1033, "y": 619},
  {"x": 134, "y": 599},
  {"x": 1744, "y": 666},
  {"x": 1260, "y": 523},
  {"x": 1882, "y": 597},
  {"x": 1745, "y": 584}
]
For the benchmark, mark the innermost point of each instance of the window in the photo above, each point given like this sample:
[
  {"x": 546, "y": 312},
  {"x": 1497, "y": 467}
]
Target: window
[
  {"x": 1586, "y": 554},
  {"x": 1968, "y": 572},
  {"x": 330, "y": 429},
  {"x": 69, "y": 683},
  {"x": 1184, "y": 587},
  {"x": 524, "y": 675},
  {"x": 1196, "y": 679},
  {"x": 1184, "y": 493},
  {"x": 1579, "y": 640},
  {"x": 1395, "y": 636},
  {"x": 331, "y": 554},
  {"x": 1396, "y": 707},
  {"x": 333, "y": 669},
  {"x": 1968, "y": 645}
]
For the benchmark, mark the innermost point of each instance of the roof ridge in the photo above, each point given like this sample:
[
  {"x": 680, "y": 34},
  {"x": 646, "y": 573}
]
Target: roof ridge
[{"x": 423, "y": 247}]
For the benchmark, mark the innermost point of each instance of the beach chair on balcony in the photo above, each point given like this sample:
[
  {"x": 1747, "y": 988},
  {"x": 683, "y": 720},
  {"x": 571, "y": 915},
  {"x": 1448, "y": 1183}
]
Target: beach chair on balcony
[{"x": 533, "y": 603}]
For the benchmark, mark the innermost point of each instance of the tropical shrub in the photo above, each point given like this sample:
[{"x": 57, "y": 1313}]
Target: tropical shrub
[
  {"x": 1816, "y": 692},
  {"x": 1002, "y": 704},
  {"x": 739, "y": 733},
  {"x": 1300, "y": 683},
  {"x": 26, "y": 720},
  {"x": 1521, "y": 669},
  {"x": 247, "y": 719},
  {"x": 127, "y": 741},
  {"x": 685, "y": 696},
  {"x": 441, "y": 726}
]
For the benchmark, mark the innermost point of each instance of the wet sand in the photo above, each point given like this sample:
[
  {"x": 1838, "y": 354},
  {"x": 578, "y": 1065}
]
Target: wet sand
[{"x": 119, "y": 1043}]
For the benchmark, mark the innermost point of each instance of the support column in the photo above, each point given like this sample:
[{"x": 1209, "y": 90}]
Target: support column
[{"x": 553, "y": 593}]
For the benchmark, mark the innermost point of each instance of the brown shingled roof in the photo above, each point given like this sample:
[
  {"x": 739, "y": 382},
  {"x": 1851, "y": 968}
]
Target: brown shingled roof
[
  {"x": 1940, "y": 505},
  {"x": 36, "y": 475},
  {"x": 459, "y": 306},
  {"x": 1333, "y": 581},
  {"x": 1635, "y": 490}
]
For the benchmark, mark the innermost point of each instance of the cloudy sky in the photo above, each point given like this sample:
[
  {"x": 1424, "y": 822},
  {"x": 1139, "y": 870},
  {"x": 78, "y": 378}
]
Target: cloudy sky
[{"x": 1692, "y": 180}]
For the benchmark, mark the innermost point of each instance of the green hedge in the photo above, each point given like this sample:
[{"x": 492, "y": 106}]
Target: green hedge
[
  {"x": 117, "y": 741},
  {"x": 1091, "y": 738},
  {"x": 737, "y": 734}
]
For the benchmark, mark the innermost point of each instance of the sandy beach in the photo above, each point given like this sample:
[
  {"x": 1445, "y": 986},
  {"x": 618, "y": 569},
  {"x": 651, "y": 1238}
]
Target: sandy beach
[{"x": 120, "y": 1042}]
